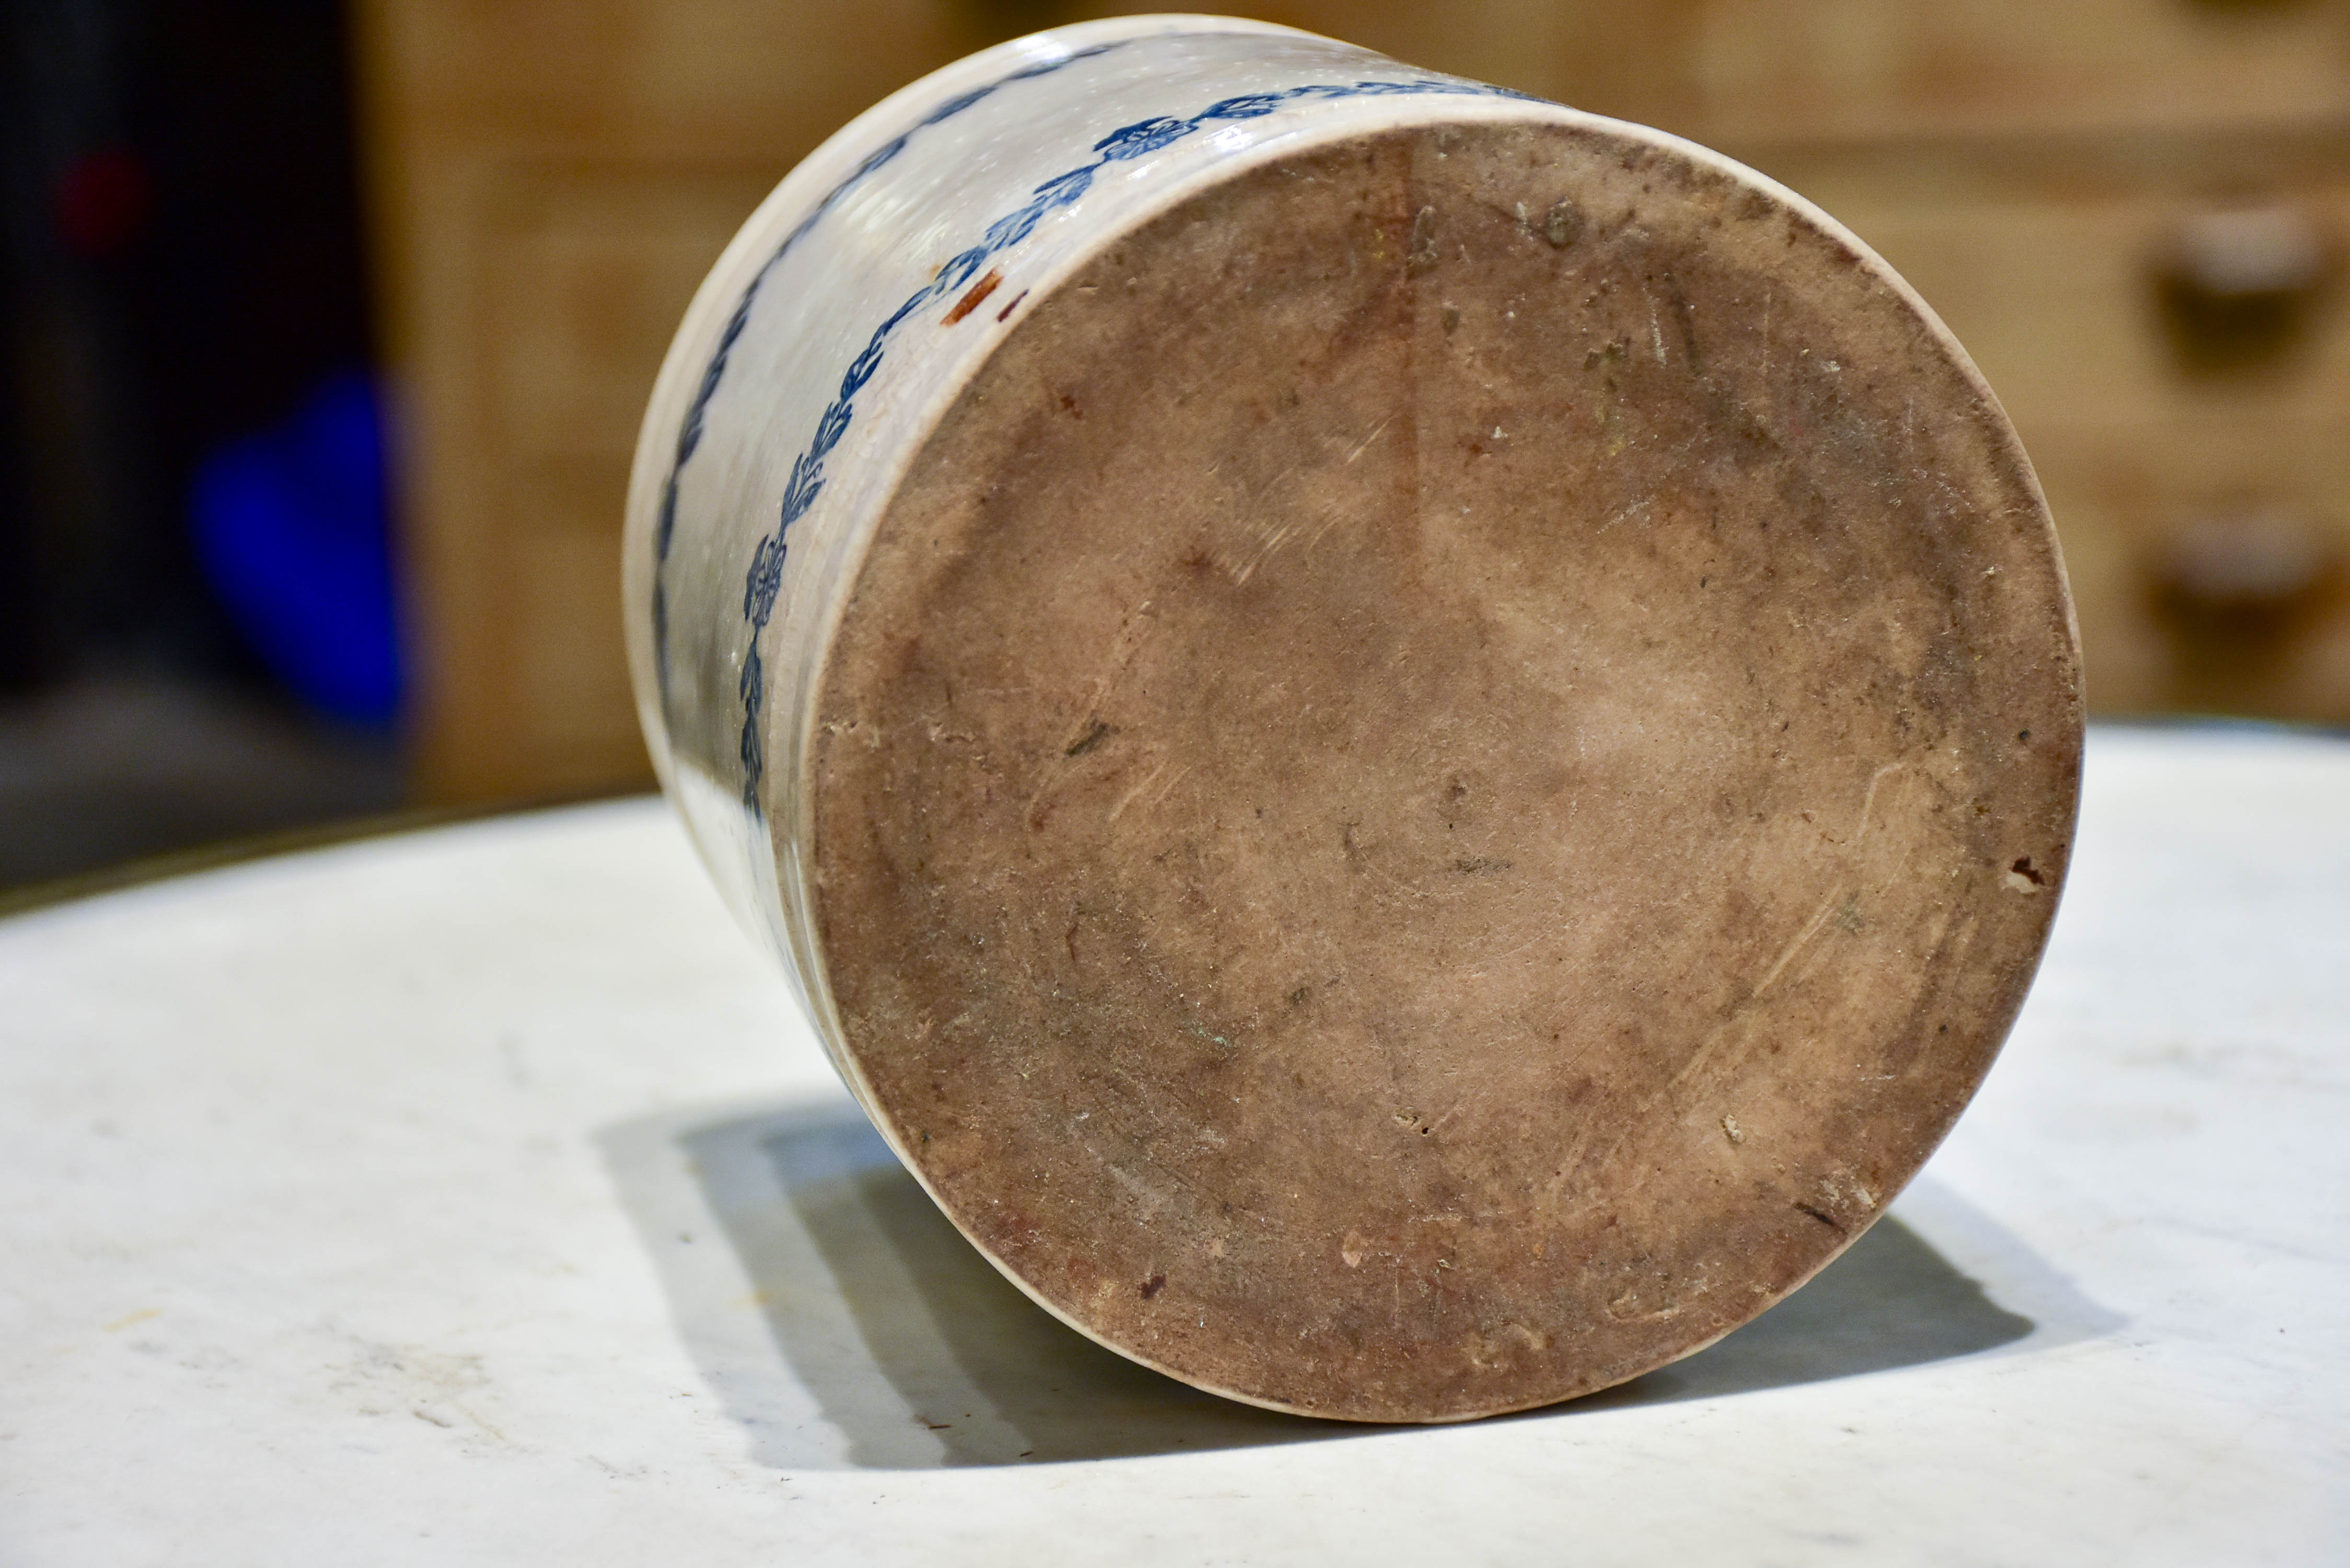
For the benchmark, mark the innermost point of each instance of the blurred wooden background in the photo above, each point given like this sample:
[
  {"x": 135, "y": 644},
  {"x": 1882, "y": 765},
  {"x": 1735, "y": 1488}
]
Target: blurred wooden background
[{"x": 2132, "y": 211}]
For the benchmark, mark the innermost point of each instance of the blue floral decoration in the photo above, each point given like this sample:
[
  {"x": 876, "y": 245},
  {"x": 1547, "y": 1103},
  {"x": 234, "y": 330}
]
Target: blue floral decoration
[{"x": 763, "y": 577}]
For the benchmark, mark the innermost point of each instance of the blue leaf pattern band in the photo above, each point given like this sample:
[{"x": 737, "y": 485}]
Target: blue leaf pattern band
[{"x": 764, "y": 579}]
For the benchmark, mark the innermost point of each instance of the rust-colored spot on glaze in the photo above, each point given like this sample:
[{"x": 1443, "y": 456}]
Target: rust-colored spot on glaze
[{"x": 971, "y": 302}]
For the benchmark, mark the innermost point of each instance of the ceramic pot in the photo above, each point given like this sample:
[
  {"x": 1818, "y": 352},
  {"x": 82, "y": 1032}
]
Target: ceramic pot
[{"x": 1412, "y": 745}]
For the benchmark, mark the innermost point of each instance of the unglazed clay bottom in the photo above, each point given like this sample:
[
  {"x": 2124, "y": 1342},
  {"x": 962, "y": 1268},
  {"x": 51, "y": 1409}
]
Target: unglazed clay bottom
[{"x": 1437, "y": 767}]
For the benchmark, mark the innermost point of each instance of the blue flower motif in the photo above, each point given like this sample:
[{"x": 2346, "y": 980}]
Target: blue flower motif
[
  {"x": 958, "y": 270},
  {"x": 910, "y": 304},
  {"x": 1143, "y": 136},
  {"x": 800, "y": 493},
  {"x": 735, "y": 323},
  {"x": 1047, "y": 67},
  {"x": 1247, "y": 105},
  {"x": 832, "y": 426},
  {"x": 873, "y": 160},
  {"x": 1064, "y": 189},
  {"x": 1014, "y": 227},
  {"x": 957, "y": 104},
  {"x": 761, "y": 581},
  {"x": 668, "y": 515},
  {"x": 753, "y": 746},
  {"x": 860, "y": 369}
]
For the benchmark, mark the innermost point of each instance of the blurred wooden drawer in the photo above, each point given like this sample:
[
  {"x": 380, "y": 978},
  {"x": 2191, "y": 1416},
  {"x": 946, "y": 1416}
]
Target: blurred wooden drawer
[
  {"x": 2210, "y": 563},
  {"x": 1827, "y": 68},
  {"x": 2165, "y": 321},
  {"x": 2066, "y": 286},
  {"x": 555, "y": 179},
  {"x": 567, "y": 715},
  {"x": 555, "y": 175},
  {"x": 585, "y": 273},
  {"x": 577, "y": 274}
]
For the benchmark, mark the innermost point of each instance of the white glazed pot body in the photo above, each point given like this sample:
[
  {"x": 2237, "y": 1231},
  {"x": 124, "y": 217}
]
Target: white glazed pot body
[
  {"x": 850, "y": 332},
  {"x": 821, "y": 350}
]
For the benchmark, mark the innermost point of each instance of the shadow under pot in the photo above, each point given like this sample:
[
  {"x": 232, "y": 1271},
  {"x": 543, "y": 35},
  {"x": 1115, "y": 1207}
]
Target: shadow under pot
[{"x": 1411, "y": 746}]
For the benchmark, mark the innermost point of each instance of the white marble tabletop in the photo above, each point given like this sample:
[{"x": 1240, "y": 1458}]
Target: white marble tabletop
[{"x": 474, "y": 1196}]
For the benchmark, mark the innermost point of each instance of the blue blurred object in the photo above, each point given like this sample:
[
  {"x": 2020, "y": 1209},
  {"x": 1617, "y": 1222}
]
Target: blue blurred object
[{"x": 291, "y": 527}]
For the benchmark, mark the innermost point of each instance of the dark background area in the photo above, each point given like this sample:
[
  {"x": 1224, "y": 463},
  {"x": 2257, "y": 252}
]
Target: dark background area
[
  {"x": 184, "y": 269},
  {"x": 228, "y": 231}
]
